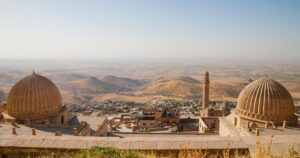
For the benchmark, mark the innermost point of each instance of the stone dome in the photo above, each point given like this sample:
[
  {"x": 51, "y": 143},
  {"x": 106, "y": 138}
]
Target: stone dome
[
  {"x": 266, "y": 100},
  {"x": 34, "y": 97}
]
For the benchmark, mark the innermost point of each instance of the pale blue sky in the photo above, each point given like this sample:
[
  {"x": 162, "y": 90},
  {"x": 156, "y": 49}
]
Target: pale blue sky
[{"x": 156, "y": 29}]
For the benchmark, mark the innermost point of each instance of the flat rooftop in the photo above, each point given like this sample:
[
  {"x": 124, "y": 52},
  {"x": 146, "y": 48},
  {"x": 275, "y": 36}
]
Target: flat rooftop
[
  {"x": 93, "y": 121},
  {"x": 6, "y": 129},
  {"x": 295, "y": 130},
  {"x": 279, "y": 131}
]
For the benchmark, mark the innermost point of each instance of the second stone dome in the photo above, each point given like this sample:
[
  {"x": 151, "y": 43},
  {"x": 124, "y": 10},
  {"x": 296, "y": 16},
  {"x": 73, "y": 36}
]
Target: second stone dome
[
  {"x": 266, "y": 100},
  {"x": 34, "y": 97}
]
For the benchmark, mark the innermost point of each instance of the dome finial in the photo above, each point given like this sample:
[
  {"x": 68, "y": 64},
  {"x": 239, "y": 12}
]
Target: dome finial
[{"x": 266, "y": 76}]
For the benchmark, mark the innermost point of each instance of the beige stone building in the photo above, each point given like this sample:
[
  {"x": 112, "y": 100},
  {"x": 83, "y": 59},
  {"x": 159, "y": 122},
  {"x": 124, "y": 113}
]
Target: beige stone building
[
  {"x": 35, "y": 104},
  {"x": 264, "y": 107}
]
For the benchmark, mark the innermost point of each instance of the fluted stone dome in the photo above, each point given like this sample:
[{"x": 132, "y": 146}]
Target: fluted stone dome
[
  {"x": 34, "y": 97},
  {"x": 266, "y": 100}
]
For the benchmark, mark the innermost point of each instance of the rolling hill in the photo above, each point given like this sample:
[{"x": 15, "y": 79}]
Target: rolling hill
[
  {"x": 187, "y": 87},
  {"x": 180, "y": 87},
  {"x": 292, "y": 86},
  {"x": 95, "y": 85},
  {"x": 78, "y": 88}
]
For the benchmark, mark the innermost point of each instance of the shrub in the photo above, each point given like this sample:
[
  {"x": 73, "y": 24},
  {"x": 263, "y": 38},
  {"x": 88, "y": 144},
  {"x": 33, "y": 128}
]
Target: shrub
[{"x": 100, "y": 152}]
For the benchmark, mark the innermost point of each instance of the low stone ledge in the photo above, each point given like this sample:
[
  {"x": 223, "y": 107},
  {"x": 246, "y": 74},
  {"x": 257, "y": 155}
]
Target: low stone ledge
[{"x": 279, "y": 144}]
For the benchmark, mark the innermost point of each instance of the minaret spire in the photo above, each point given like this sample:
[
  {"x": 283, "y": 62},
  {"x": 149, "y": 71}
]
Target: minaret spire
[{"x": 205, "y": 97}]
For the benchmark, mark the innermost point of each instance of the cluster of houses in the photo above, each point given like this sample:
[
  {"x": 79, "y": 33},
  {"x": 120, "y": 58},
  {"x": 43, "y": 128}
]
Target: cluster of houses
[
  {"x": 165, "y": 116},
  {"x": 116, "y": 107},
  {"x": 106, "y": 108},
  {"x": 159, "y": 115},
  {"x": 150, "y": 119}
]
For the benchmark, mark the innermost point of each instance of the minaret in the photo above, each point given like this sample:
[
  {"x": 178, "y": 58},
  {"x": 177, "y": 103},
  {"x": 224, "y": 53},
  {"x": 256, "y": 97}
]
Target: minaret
[{"x": 205, "y": 97}]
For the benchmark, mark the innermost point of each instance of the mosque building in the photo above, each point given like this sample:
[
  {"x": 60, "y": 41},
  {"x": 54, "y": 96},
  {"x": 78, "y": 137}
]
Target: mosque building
[
  {"x": 264, "y": 106},
  {"x": 35, "y": 103}
]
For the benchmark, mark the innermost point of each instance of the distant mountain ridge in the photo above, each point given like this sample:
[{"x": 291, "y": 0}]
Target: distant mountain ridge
[
  {"x": 123, "y": 82},
  {"x": 78, "y": 88},
  {"x": 180, "y": 78},
  {"x": 63, "y": 77},
  {"x": 95, "y": 85}
]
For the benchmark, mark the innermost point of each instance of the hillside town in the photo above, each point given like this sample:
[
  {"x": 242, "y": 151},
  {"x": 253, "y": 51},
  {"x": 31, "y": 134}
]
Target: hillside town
[{"x": 158, "y": 116}]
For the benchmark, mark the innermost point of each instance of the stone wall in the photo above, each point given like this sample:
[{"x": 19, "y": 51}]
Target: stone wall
[
  {"x": 227, "y": 129},
  {"x": 281, "y": 144}
]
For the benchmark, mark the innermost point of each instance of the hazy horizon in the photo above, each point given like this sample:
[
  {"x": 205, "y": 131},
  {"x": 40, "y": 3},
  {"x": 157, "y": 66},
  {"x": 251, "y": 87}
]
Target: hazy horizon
[{"x": 150, "y": 30}]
